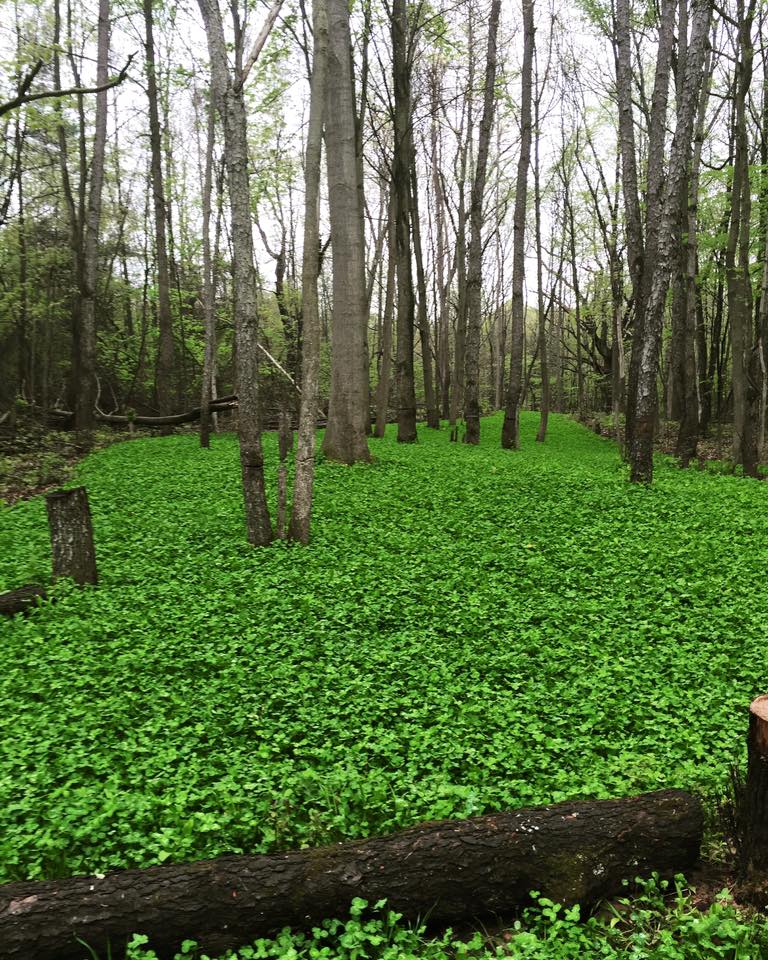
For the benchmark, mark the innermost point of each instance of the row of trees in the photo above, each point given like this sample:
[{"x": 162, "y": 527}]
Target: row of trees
[{"x": 511, "y": 211}]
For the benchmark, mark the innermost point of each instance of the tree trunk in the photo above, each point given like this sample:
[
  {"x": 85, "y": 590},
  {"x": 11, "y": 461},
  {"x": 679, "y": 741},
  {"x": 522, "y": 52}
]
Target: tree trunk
[
  {"x": 645, "y": 399},
  {"x": 402, "y": 161},
  {"x": 71, "y": 530},
  {"x": 433, "y": 415},
  {"x": 739, "y": 281},
  {"x": 443, "y": 326},
  {"x": 164, "y": 368},
  {"x": 385, "y": 347},
  {"x": 475, "y": 258},
  {"x": 510, "y": 435},
  {"x": 448, "y": 871},
  {"x": 209, "y": 293},
  {"x": 301, "y": 507},
  {"x": 228, "y": 95},
  {"x": 692, "y": 360},
  {"x": 86, "y": 392},
  {"x": 348, "y": 410}
]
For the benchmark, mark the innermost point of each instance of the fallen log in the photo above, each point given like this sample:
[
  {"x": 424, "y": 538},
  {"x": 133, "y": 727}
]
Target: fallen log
[
  {"x": 17, "y": 601},
  {"x": 175, "y": 419},
  {"x": 449, "y": 870}
]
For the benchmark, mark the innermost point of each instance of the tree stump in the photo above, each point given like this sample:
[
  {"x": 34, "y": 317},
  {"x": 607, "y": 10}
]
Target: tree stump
[
  {"x": 754, "y": 803},
  {"x": 69, "y": 522}
]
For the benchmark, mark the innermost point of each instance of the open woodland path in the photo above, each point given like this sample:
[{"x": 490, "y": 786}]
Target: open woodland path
[{"x": 471, "y": 629}]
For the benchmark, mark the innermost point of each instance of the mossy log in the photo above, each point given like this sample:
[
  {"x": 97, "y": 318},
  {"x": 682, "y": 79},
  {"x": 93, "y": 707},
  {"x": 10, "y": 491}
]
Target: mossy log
[
  {"x": 447, "y": 871},
  {"x": 21, "y": 599}
]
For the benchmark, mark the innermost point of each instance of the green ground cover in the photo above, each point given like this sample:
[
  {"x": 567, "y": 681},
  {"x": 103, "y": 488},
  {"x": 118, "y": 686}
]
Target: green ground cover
[{"x": 471, "y": 629}]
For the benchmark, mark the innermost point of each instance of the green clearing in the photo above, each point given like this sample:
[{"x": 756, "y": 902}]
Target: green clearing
[{"x": 471, "y": 629}]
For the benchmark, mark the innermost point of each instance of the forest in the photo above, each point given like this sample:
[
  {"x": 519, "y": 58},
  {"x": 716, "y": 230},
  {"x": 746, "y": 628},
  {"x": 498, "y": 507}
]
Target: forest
[{"x": 383, "y": 391}]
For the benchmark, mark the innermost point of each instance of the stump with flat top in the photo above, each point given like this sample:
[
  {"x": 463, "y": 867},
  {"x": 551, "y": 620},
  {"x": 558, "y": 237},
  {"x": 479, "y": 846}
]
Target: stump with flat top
[
  {"x": 69, "y": 522},
  {"x": 447, "y": 871},
  {"x": 753, "y": 813}
]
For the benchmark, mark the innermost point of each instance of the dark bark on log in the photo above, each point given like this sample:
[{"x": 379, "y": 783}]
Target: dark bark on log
[
  {"x": 69, "y": 522},
  {"x": 17, "y": 601},
  {"x": 453, "y": 869},
  {"x": 221, "y": 403}
]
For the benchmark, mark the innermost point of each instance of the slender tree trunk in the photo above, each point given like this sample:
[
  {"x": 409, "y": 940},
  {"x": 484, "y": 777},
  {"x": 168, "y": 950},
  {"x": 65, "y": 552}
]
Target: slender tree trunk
[
  {"x": 737, "y": 256},
  {"x": 646, "y": 399},
  {"x": 510, "y": 436},
  {"x": 475, "y": 258},
  {"x": 402, "y": 162},
  {"x": 443, "y": 332},
  {"x": 348, "y": 411},
  {"x": 165, "y": 348},
  {"x": 209, "y": 304},
  {"x": 541, "y": 434},
  {"x": 433, "y": 415},
  {"x": 229, "y": 100},
  {"x": 301, "y": 508},
  {"x": 688, "y": 435},
  {"x": 86, "y": 393},
  {"x": 385, "y": 360}
]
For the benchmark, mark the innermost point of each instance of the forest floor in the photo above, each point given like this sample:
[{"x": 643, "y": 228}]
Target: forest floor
[{"x": 470, "y": 630}]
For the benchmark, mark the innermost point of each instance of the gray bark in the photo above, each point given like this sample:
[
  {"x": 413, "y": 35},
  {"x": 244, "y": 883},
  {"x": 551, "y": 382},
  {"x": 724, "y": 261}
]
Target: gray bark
[
  {"x": 301, "y": 507},
  {"x": 71, "y": 530},
  {"x": 510, "y": 435},
  {"x": 646, "y": 399},
  {"x": 229, "y": 101},
  {"x": 348, "y": 410},
  {"x": 475, "y": 255}
]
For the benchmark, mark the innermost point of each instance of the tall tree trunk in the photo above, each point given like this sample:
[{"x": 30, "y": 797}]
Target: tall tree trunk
[
  {"x": 348, "y": 411},
  {"x": 402, "y": 162},
  {"x": 737, "y": 256},
  {"x": 301, "y": 510},
  {"x": 475, "y": 258},
  {"x": 228, "y": 95},
  {"x": 541, "y": 434},
  {"x": 165, "y": 350},
  {"x": 385, "y": 349},
  {"x": 692, "y": 360},
  {"x": 443, "y": 326},
  {"x": 645, "y": 398},
  {"x": 209, "y": 304},
  {"x": 433, "y": 416},
  {"x": 510, "y": 435},
  {"x": 86, "y": 393}
]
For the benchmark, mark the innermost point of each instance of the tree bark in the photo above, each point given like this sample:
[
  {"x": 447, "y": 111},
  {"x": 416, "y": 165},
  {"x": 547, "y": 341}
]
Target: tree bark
[
  {"x": 402, "y": 161},
  {"x": 86, "y": 392},
  {"x": 510, "y": 434},
  {"x": 229, "y": 100},
  {"x": 71, "y": 530},
  {"x": 304, "y": 478},
  {"x": 21, "y": 599},
  {"x": 640, "y": 442},
  {"x": 450, "y": 870},
  {"x": 475, "y": 256},
  {"x": 752, "y": 809},
  {"x": 345, "y": 438},
  {"x": 209, "y": 294},
  {"x": 430, "y": 401},
  {"x": 165, "y": 348}
]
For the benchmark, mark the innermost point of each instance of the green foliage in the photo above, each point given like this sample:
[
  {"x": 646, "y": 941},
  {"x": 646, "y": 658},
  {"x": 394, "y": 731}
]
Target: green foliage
[
  {"x": 661, "y": 923},
  {"x": 471, "y": 629}
]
